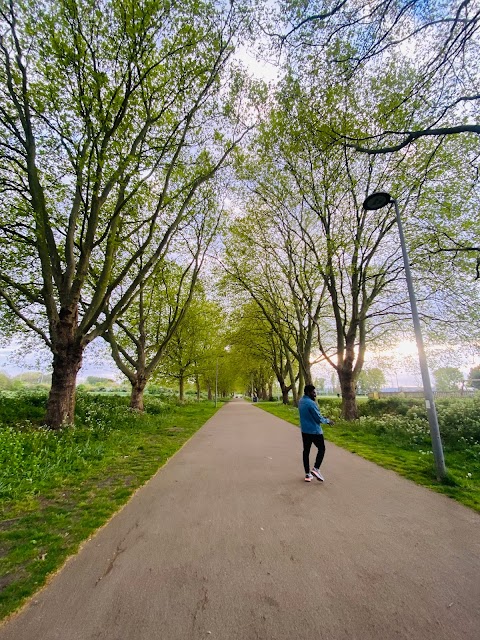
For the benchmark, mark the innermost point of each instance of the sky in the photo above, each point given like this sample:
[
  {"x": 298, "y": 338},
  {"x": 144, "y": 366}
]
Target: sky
[
  {"x": 97, "y": 362},
  {"x": 399, "y": 364}
]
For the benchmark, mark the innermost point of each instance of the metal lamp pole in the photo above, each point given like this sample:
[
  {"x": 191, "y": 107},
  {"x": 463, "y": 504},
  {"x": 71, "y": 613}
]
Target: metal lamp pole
[{"x": 377, "y": 201}]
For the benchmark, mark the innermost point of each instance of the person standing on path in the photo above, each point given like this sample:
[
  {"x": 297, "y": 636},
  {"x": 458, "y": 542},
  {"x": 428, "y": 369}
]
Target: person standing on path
[{"x": 310, "y": 424}]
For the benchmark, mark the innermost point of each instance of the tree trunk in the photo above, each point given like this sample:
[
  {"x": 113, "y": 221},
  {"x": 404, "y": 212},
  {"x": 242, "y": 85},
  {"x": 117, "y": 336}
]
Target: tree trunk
[
  {"x": 67, "y": 361},
  {"x": 209, "y": 392},
  {"x": 181, "y": 388},
  {"x": 306, "y": 370},
  {"x": 285, "y": 391},
  {"x": 293, "y": 386},
  {"x": 301, "y": 385},
  {"x": 136, "y": 399},
  {"x": 197, "y": 383},
  {"x": 270, "y": 390},
  {"x": 349, "y": 401}
]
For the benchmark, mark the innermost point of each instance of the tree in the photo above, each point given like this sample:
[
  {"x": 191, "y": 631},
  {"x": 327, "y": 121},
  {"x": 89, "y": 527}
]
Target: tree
[
  {"x": 211, "y": 361},
  {"x": 447, "y": 224},
  {"x": 448, "y": 378},
  {"x": 33, "y": 378},
  {"x": 309, "y": 194},
  {"x": 109, "y": 124},
  {"x": 140, "y": 337},
  {"x": 371, "y": 380},
  {"x": 257, "y": 343},
  {"x": 190, "y": 353},
  {"x": 99, "y": 381},
  {"x": 474, "y": 377},
  {"x": 270, "y": 260}
]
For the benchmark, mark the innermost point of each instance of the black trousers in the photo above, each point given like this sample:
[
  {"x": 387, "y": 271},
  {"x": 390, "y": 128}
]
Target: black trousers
[{"x": 318, "y": 440}]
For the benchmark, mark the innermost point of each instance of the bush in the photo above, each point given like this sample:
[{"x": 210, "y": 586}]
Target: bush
[
  {"x": 458, "y": 419},
  {"x": 330, "y": 407},
  {"x": 31, "y": 454},
  {"x": 409, "y": 433},
  {"x": 392, "y": 406},
  {"x": 23, "y": 405}
]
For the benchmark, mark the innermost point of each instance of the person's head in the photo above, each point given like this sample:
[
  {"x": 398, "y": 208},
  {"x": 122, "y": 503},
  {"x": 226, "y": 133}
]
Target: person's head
[{"x": 310, "y": 391}]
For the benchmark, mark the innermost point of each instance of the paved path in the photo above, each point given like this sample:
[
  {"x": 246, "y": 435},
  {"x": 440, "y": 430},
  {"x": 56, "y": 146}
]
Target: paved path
[{"x": 227, "y": 542}]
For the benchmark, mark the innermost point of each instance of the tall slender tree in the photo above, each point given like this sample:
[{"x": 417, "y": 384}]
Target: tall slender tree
[{"x": 110, "y": 121}]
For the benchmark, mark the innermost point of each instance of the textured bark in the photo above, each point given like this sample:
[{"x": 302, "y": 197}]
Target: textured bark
[
  {"x": 67, "y": 360},
  {"x": 349, "y": 401},
  {"x": 306, "y": 372},
  {"x": 293, "y": 386},
  {"x": 181, "y": 388},
  {"x": 301, "y": 385},
  {"x": 136, "y": 399}
]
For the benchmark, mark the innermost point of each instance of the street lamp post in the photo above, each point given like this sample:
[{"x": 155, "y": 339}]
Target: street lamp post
[{"x": 375, "y": 201}]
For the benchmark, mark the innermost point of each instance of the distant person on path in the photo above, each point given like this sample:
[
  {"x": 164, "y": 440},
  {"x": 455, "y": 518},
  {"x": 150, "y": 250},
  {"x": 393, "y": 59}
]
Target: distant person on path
[{"x": 310, "y": 421}]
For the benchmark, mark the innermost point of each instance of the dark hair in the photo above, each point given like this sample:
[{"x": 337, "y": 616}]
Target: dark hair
[{"x": 308, "y": 389}]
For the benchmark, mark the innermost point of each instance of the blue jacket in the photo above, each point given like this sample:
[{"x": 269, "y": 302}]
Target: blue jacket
[{"x": 310, "y": 416}]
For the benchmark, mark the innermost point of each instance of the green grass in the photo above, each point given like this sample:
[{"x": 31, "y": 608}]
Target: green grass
[
  {"x": 56, "y": 489},
  {"x": 401, "y": 443}
]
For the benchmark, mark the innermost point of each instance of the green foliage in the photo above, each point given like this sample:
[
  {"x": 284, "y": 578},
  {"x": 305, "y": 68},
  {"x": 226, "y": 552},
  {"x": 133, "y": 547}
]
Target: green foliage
[
  {"x": 5, "y": 381},
  {"x": 197, "y": 345},
  {"x": 458, "y": 418},
  {"x": 459, "y": 421},
  {"x": 33, "y": 377},
  {"x": 114, "y": 112},
  {"x": 393, "y": 405},
  {"x": 31, "y": 454},
  {"x": 371, "y": 380},
  {"x": 22, "y": 407},
  {"x": 105, "y": 382},
  {"x": 474, "y": 377},
  {"x": 448, "y": 378},
  {"x": 330, "y": 407}
]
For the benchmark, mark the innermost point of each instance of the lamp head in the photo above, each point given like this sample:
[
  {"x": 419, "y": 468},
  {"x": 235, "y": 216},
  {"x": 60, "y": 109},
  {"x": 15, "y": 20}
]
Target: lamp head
[{"x": 377, "y": 200}]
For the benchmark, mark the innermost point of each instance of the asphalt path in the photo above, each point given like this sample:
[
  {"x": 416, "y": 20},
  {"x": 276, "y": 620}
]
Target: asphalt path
[{"x": 228, "y": 542}]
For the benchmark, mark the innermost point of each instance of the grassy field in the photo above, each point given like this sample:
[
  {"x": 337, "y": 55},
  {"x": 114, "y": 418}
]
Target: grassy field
[
  {"x": 56, "y": 489},
  {"x": 399, "y": 439}
]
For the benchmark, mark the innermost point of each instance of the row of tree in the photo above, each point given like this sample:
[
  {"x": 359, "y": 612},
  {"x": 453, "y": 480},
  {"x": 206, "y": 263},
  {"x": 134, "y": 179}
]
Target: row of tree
[
  {"x": 389, "y": 81},
  {"x": 130, "y": 138},
  {"x": 115, "y": 117}
]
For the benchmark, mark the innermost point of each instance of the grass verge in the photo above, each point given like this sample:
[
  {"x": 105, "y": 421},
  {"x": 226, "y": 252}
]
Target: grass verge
[
  {"x": 410, "y": 459},
  {"x": 81, "y": 477}
]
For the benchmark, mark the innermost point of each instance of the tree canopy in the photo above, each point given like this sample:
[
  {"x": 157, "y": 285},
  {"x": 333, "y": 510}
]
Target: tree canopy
[{"x": 157, "y": 195}]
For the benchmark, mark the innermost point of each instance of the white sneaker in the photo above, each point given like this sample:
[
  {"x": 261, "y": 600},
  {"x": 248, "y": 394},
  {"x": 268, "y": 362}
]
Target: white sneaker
[
  {"x": 308, "y": 477},
  {"x": 317, "y": 474}
]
